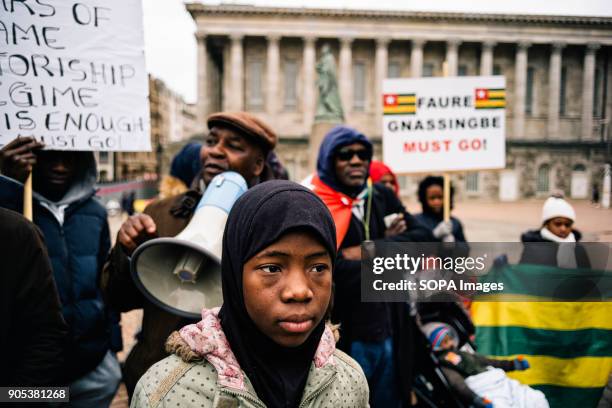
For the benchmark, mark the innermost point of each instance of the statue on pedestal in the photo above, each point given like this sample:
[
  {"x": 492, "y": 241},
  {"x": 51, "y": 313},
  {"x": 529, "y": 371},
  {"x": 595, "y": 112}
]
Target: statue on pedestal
[{"x": 329, "y": 105}]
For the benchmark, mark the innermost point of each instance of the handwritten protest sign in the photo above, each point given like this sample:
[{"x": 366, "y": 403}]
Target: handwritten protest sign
[
  {"x": 444, "y": 124},
  {"x": 72, "y": 74}
]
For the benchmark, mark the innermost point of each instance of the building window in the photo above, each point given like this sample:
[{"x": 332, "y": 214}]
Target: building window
[
  {"x": 529, "y": 91},
  {"x": 393, "y": 71},
  {"x": 597, "y": 93},
  {"x": 462, "y": 70},
  {"x": 290, "y": 73},
  {"x": 359, "y": 86},
  {"x": 428, "y": 70},
  {"x": 497, "y": 70},
  {"x": 103, "y": 157},
  {"x": 563, "y": 91},
  {"x": 471, "y": 182},
  {"x": 580, "y": 167},
  {"x": 543, "y": 182},
  {"x": 255, "y": 99}
]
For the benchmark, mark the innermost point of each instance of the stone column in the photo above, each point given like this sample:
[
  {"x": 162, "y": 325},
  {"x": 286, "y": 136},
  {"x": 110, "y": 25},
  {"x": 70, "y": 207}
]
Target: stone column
[
  {"x": 237, "y": 73},
  {"x": 554, "y": 89},
  {"x": 308, "y": 92},
  {"x": 345, "y": 73},
  {"x": 416, "y": 58},
  {"x": 452, "y": 51},
  {"x": 588, "y": 85},
  {"x": 380, "y": 73},
  {"x": 272, "y": 75},
  {"x": 486, "y": 58},
  {"x": 202, "y": 65},
  {"x": 520, "y": 82}
]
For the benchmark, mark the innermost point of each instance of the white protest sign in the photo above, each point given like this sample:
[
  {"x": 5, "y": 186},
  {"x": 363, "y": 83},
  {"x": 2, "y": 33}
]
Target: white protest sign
[
  {"x": 72, "y": 74},
  {"x": 444, "y": 124}
]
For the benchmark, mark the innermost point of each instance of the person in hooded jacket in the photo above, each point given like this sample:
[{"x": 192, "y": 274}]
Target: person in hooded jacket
[
  {"x": 269, "y": 345},
  {"x": 184, "y": 168},
  {"x": 558, "y": 218},
  {"x": 75, "y": 227},
  {"x": 236, "y": 141},
  {"x": 378, "y": 335},
  {"x": 431, "y": 196},
  {"x": 381, "y": 173}
]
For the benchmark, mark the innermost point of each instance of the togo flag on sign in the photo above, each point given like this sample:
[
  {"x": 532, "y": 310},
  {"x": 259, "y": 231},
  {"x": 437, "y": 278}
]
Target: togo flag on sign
[{"x": 444, "y": 124}]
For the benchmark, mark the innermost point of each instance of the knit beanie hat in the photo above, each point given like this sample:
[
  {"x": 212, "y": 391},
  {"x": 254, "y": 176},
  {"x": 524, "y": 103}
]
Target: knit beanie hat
[
  {"x": 437, "y": 331},
  {"x": 186, "y": 164},
  {"x": 557, "y": 207}
]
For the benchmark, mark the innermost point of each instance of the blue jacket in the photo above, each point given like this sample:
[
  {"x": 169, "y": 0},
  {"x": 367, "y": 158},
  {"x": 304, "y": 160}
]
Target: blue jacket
[{"x": 78, "y": 241}]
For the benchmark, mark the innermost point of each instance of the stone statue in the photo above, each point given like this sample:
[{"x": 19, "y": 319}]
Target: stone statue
[{"x": 329, "y": 105}]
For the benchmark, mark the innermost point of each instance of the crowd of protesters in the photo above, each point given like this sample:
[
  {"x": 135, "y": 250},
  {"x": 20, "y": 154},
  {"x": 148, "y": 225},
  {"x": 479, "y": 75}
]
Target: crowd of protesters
[{"x": 292, "y": 330}]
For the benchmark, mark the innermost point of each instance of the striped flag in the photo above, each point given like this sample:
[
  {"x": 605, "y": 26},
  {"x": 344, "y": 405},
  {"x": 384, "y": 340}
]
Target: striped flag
[
  {"x": 568, "y": 344},
  {"x": 399, "y": 104},
  {"x": 490, "y": 98}
]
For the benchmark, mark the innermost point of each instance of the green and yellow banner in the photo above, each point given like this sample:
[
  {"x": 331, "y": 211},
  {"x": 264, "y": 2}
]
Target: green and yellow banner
[{"x": 568, "y": 344}]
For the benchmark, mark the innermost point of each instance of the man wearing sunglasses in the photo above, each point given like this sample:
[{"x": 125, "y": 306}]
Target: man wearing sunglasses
[{"x": 369, "y": 332}]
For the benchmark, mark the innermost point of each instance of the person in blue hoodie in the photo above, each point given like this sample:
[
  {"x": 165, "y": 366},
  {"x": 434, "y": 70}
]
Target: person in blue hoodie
[
  {"x": 75, "y": 227},
  {"x": 377, "y": 335}
]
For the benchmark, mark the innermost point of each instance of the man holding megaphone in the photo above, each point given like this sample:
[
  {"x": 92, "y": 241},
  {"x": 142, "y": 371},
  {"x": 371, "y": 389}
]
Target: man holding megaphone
[{"x": 237, "y": 141}]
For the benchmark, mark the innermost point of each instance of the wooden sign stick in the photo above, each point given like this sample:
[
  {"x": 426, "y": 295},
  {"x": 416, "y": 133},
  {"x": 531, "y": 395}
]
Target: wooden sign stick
[
  {"x": 27, "y": 198},
  {"x": 447, "y": 197}
]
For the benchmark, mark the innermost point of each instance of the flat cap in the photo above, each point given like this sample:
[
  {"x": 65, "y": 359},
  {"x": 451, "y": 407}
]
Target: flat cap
[{"x": 247, "y": 124}]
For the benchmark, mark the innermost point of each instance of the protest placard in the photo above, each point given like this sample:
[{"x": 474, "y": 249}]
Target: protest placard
[
  {"x": 72, "y": 74},
  {"x": 444, "y": 124}
]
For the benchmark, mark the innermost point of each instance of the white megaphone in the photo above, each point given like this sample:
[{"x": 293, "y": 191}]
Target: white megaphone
[{"x": 183, "y": 274}]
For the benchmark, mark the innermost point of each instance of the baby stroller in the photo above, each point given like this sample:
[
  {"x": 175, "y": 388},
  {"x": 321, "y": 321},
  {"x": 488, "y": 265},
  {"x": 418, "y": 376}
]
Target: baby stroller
[{"x": 430, "y": 384}]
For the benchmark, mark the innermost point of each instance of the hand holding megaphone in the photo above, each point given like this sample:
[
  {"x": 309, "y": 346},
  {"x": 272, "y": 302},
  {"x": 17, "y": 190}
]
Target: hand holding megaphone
[
  {"x": 137, "y": 229},
  {"x": 182, "y": 274}
]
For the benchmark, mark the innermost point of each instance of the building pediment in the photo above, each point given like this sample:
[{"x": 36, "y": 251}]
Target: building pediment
[{"x": 196, "y": 9}]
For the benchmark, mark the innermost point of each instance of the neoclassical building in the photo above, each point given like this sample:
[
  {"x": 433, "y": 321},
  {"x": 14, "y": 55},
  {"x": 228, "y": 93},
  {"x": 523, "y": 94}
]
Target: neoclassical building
[{"x": 557, "y": 69}]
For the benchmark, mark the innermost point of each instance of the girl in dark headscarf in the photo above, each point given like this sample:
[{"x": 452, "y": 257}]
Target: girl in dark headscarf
[{"x": 269, "y": 344}]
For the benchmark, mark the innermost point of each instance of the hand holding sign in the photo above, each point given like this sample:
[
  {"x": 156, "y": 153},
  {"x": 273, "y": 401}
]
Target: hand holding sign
[{"x": 17, "y": 158}]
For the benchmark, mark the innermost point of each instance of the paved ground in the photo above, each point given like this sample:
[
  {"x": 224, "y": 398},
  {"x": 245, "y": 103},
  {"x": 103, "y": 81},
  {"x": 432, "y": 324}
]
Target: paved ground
[
  {"x": 491, "y": 221},
  {"x": 484, "y": 221}
]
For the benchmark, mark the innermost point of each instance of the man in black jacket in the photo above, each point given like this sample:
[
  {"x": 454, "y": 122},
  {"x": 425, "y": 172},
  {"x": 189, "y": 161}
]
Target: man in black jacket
[
  {"x": 377, "y": 335},
  {"x": 33, "y": 330}
]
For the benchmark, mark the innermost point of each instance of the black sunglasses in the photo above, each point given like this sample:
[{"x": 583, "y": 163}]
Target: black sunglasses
[{"x": 346, "y": 155}]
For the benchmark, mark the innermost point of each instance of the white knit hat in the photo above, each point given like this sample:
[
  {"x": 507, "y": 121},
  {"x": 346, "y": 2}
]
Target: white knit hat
[{"x": 557, "y": 207}]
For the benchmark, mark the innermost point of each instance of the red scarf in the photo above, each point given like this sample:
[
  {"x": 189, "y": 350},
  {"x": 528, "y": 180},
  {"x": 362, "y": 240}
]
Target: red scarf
[{"x": 340, "y": 205}]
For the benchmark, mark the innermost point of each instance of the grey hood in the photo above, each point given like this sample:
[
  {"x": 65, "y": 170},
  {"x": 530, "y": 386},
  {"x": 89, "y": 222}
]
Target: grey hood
[
  {"x": 83, "y": 184},
  {"x": 82, "y": 187}
]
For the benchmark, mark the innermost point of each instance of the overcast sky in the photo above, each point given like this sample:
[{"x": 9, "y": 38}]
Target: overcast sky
[{"x": 171, "y": 49}]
